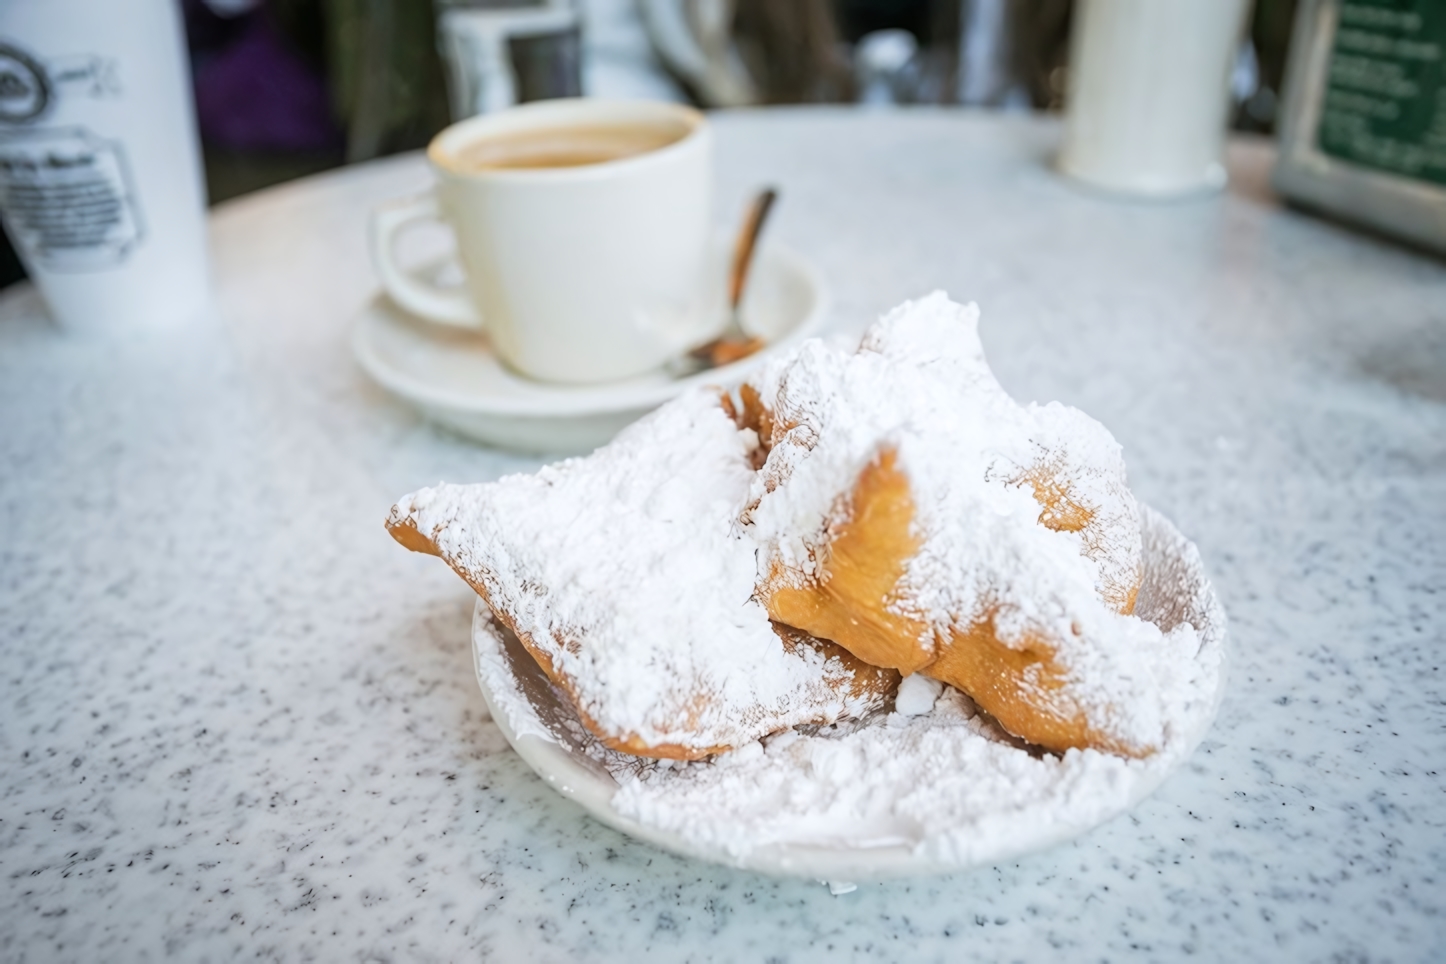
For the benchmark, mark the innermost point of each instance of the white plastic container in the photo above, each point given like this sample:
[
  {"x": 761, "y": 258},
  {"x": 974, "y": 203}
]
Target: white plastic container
[
  {"x": 101, "y": 190},
  {"x": 1149, "y": 94}
]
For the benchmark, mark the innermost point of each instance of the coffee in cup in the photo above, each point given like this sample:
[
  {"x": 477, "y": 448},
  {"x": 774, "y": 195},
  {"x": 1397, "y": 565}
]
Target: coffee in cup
[
  {"x": 583, "y": 230},
  {"x": 565, "y": 146}
]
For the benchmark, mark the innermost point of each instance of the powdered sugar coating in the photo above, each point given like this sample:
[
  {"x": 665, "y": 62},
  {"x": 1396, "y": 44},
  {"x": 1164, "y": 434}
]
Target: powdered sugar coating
[
  {"x": 919, "y": 385},
  {"x": 628, "y": 570},
  {"x": 634, "y": 574}
]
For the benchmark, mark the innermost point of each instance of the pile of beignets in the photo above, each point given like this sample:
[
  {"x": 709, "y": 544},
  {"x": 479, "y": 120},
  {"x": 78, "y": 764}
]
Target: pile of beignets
[{"x": 733, "y": 565}]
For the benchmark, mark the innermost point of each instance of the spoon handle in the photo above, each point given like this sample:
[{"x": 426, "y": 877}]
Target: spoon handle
[
  {"x": 747, "y": 241},
  {"x": 733, "y": 342}
]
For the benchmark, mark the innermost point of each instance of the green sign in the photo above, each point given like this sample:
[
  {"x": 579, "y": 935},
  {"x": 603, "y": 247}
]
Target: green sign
[{"x": 1385, "y": 103}]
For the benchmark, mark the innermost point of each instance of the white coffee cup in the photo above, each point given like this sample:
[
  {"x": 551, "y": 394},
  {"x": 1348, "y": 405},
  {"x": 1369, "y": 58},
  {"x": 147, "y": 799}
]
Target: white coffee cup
[{"x": 578, "y": 271}]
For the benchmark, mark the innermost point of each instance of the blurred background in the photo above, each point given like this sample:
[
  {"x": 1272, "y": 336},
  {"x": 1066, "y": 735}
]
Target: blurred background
[{"x": 286, "y": 88}]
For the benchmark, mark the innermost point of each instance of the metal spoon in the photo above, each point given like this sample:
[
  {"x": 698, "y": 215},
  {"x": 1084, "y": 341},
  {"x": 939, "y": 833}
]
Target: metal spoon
[{"x": 734, "y": 343}]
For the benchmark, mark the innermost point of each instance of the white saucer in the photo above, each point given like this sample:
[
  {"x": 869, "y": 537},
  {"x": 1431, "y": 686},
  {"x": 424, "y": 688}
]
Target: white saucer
[
  {"x": 454, "y": 377},
  {"x": 542, "y": 727}
]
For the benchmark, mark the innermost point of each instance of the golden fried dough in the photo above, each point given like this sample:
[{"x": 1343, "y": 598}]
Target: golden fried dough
[{"x": 850, "y": 603}]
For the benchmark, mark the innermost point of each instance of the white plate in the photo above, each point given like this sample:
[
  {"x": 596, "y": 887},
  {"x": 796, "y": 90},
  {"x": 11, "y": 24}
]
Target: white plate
[
  {"x": 541, "y": 726},
  {"x": 454, "y": 377}
]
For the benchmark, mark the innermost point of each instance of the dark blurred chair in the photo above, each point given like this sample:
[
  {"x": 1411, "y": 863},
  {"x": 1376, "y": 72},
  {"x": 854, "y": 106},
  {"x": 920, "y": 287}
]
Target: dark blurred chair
[{"x": 289, "y": 87}]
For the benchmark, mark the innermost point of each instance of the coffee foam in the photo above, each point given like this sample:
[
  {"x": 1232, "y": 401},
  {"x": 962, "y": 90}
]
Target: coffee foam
[{"x": 572, "y": 145}]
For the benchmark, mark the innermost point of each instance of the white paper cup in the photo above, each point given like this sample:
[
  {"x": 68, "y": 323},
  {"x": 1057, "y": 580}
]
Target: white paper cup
[{"x": 101, "y": 190}]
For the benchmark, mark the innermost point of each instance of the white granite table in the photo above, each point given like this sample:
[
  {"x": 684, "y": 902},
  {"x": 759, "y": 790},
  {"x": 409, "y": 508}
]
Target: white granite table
[{"x": 240, "y": 723}]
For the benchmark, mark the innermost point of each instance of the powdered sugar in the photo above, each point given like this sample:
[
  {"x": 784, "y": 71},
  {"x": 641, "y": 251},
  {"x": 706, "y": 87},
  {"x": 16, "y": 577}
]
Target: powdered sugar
[
  {"x": 917, "y": 695},
  {"x": 893, "y": 794},
  {"x": 628, "y": 571},
  {"x": 978, "y": 465},
  {"x": 945, "y": 781}
]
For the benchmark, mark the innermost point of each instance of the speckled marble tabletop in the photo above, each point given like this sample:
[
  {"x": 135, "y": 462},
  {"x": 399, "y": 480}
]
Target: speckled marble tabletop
[{"x": 240, "y": 722}]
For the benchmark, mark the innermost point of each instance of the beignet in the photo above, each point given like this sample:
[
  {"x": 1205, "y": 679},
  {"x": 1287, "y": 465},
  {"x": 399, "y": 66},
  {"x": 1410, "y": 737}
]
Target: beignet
[
  {"x": 914, "y": 513},
  {"x": 628, "y": 578}
]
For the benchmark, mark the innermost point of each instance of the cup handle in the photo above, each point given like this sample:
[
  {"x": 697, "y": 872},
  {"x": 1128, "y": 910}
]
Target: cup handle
[{"x": 447, "y": 306}]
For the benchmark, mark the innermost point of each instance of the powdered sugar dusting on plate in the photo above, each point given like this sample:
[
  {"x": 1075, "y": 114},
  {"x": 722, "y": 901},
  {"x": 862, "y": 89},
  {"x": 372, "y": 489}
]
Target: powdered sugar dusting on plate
[{"x": 945, "y": 785}]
